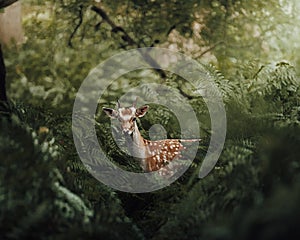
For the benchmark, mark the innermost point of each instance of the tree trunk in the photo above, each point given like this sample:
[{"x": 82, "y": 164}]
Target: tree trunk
[
  {"x": 3, "y": 96},
  {"x": 11, "y": 31}
]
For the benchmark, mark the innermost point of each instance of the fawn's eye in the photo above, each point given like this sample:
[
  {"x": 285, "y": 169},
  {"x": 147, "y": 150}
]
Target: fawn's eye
[{"x": 133, "y": 119}]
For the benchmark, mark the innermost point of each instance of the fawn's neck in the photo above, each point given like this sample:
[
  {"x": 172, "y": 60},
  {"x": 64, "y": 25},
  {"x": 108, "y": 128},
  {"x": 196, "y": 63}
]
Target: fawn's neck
[{"x": 135, "y": 143}]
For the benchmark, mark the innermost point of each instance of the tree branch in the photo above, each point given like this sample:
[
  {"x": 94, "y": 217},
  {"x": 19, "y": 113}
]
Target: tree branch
[
  {"x": 131, "y": 42},
  {"x": 114, "y": 27},
  {"x": 6, "y": 3}
]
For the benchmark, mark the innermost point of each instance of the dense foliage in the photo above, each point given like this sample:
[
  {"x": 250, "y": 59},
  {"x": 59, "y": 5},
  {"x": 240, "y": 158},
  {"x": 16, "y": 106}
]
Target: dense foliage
[{"x": 253, "y": 191}]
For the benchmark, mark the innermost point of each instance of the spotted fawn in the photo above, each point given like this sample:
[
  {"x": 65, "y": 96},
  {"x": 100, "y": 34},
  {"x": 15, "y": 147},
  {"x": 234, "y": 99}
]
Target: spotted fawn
[{"x": 153, "y": 155}]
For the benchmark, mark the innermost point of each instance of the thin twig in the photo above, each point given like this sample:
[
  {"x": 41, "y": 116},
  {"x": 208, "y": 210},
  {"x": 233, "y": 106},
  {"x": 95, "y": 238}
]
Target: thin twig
[
  {"x": 209, "y": 49},
  {"x": 77, "y": 26}
]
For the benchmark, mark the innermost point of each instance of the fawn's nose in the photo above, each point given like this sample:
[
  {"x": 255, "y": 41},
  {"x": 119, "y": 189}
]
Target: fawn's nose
[
  {"x": 127, "y": 128},
  {"x": 127, "y": 131}
]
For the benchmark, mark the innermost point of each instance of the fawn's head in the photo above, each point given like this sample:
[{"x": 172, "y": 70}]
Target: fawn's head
[{"x": 126, "y": 115}]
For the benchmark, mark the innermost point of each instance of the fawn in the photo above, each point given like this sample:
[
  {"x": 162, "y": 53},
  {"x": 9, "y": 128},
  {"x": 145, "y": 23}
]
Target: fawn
[{"x": 153, "y": 155}]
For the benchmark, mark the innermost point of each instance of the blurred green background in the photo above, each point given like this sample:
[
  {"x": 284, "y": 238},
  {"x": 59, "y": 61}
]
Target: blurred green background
[{"x": 251, "y": 50}]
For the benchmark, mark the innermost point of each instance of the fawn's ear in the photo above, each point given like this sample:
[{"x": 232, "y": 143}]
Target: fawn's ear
[
  {"x": 140, "y": 112},
  {"x": 110, "y": 112}
]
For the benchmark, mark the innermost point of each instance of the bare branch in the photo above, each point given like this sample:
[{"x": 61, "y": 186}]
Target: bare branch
[
  {"x": 114, "y": 27},
  {"x": 6, "y": 3},
  {"x": 131, "y": 42}
]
